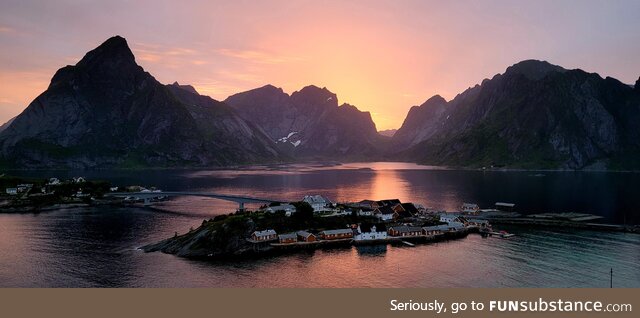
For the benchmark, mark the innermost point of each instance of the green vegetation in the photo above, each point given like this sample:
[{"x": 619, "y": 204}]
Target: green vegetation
[{"x": 303, "y": 219}]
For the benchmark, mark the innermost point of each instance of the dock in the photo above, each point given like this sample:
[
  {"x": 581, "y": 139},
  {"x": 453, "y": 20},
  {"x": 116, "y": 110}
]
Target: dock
[{"x": 408, "y": 244}]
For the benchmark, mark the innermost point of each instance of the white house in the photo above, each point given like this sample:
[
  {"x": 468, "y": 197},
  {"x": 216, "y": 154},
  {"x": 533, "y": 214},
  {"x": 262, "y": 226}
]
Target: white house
[
  {"x": 79, "y": 180},
  {"x": 287, "y": 208},
  {"x": 12, "y": 191},
  {"x": 54, "y": 181},
  {"x": 370, "y": 232},
  {"x": 318, "y": 202},
  {"x": 384, "y": 213}
]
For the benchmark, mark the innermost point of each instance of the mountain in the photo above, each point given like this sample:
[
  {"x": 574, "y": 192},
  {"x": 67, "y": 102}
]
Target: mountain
[
  {"x": 5, "y": 125},
  {"x": 535, "y": 115},
  {"x": 388, "y": 132},
  {"x": 310, "y": 124},
  {"x": 106, "y": 111}
]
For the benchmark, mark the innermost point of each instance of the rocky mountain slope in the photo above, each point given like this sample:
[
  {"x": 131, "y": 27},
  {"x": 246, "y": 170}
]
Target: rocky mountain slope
[
  {"x": 106, "y": 111},
  {"x": 310, "y": 124},
  {"x": 535, "y": 115}
]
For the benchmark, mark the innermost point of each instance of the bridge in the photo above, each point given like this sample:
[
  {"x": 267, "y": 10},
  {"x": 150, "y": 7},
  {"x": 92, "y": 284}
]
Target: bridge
[{"x": 147, "y": 196}]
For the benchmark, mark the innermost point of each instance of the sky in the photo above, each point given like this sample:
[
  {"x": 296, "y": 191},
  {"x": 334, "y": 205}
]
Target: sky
[{"x": 381, "y": 56}]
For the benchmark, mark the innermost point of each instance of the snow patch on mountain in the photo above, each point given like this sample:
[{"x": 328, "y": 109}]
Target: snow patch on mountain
[{"x": 288, "y": 139}]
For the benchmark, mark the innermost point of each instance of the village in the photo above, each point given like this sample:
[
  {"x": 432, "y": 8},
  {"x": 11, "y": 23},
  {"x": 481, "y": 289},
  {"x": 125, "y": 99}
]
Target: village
[{"x": 388, "y": 221}]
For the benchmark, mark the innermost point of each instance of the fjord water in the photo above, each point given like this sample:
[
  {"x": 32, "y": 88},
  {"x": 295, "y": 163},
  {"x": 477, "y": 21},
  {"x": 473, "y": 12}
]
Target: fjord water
[{"x": 86, "y": 247}]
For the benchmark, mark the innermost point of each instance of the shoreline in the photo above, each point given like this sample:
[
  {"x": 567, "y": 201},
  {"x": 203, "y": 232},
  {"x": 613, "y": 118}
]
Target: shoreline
[{"x": 328, "y": 163}]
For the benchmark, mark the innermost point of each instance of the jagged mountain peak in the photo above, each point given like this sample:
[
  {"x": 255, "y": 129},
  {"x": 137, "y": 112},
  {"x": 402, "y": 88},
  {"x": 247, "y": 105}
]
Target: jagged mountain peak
[
  {"x": 314, "y": 95},
  {"x": 111, "y": 62},
  {"x": 534, "y": 69},
  {"x": 187, "y": 88},
  {"x": 113, "y": 49},
  {"x": 107, "y": 111},
  {"x": 434, "y": 100}
]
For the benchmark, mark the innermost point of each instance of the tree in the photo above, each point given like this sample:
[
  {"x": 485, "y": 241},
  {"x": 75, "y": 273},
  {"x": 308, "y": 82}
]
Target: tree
[{"x": 304, "y": 213}]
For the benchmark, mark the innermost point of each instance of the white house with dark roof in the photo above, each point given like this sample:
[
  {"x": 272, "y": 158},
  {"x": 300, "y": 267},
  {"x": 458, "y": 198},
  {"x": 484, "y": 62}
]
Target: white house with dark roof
[
  {"x": 370, "y": 232},
  {"x": 318, "y": 202}
]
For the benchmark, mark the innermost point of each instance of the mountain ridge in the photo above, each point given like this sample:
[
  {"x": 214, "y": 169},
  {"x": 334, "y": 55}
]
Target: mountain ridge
[
  {"x": 106, "y": 111},
  {"x": 534, "y": 115}
]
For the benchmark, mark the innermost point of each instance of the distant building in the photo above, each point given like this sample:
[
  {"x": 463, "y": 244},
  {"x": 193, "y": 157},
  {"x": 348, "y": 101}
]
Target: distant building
[
  {"x": 113, "y": 189},
  {"x": 12, "y": 191},
  {"x": 403, "y": 230},
  {"x": 475, "y": 222},
  {"x": 287, "y": 208},
  {"x": 433, "y": 230},
  {"x": 410, "y": 208},
  {"x": 305, "y": 236},
  {"x": 336, "y": 234},
  {"x": 384, "y": 213},
  {"x": 53, "y": 181},
  {"x": 391, "y": 202},
  {"x": 469, "y": 208},
  {"x": 371, "y": 232},
  {"x": 449, "y": 218},
  {"x": 79, "y": 180},
  {"x": 24, "y": 187},
  {"x": 365, "y": 212},
  {"x": 266, "y": 235},
  {"x": 287, "y": 238},
  {"x": 368, "y": 204},
  {"x": 318, "y": 203}
]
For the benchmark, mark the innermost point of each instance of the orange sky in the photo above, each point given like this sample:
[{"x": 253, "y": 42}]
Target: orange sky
[{"x": 382, "y": 56}]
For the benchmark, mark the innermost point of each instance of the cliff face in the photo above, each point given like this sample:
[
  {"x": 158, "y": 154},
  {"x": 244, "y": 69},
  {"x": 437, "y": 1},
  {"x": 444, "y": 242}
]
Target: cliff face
[
  {"x": 106, "y": 111},
  {"x": 309, "y": 123},
  {"x": 535, "y": 115}
]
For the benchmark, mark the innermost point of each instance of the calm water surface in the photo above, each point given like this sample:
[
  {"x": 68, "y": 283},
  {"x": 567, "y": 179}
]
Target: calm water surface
[{"x": 97, "y": 246}]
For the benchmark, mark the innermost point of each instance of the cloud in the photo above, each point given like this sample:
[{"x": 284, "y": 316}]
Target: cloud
[
  {"x": 6, "y": 29},
  {"x": 255, "y": 56},
  {"x": 155, "y": 53}
]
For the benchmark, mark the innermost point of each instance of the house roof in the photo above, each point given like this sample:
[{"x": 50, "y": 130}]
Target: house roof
[
  {"x": 405, "y": 229},
  {"x": 337, "y": 231},
  {"x": 478, "y": 221},
  {"x": 287, "y": 236},
  {"x": 509, "y": 205},
  {"x": 264, "y": 233},
  {"x": 445, "y": 227},
  {"x": 385, "y": 210},
  {"x": 409, "y": 207},
  {"x": 390, "y": 202},
  {"x": 311, "y": 199},
  {"x": 404, "y": 214},
  {"x": 304, "y": 233}
]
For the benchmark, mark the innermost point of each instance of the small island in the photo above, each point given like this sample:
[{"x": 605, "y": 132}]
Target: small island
[{"x": 314, "y": 223}]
